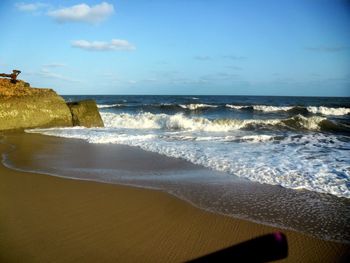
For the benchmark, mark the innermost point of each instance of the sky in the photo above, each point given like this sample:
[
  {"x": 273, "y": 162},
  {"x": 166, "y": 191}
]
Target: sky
[{"x": 198, "y": 47}]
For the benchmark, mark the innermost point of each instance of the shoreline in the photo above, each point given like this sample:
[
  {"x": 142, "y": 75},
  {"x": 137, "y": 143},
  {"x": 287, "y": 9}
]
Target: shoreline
[
  {"x": 203, "y": 188},
  {"x": 149, "y": 188},
  {"x": 225, "y": 232}
]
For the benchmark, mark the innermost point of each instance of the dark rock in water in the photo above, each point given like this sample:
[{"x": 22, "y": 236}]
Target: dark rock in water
[
  {"x": 85, "y": 113},
  {"x": 23, "y": 107}
]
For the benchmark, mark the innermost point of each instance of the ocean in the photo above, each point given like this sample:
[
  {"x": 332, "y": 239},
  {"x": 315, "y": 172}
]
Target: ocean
[{"x": 293, "y": 151}]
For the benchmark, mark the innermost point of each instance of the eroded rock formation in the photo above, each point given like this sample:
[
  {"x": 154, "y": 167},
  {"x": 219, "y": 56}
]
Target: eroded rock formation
[
  {"x": 85, "y": 113},
  {"x": 23, "y": 107}
]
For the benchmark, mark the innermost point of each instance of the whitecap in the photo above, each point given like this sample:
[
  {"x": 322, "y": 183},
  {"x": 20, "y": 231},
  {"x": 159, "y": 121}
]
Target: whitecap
[
  {"x": 196, "y": 106},
  {"x": 328, "y": 111},
  {"x": 103, "y": 106}
]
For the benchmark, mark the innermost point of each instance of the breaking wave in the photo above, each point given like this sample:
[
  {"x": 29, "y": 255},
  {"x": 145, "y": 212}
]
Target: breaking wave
[
  {"x": 328, "y": 111},
  {"x": 191, "y": 107},
  {"x": 312, "y": 161},
  {"x": 316, "y": 110},
  {"x": 197, "y": 106},
  {"x": 181, "y": 122},
  {"x": 321, "y": 110},
  {"x": 103, "y": 106}
]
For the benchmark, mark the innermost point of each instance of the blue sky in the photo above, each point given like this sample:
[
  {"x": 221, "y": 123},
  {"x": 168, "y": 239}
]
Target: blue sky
[{"x": 243, "y": 47}]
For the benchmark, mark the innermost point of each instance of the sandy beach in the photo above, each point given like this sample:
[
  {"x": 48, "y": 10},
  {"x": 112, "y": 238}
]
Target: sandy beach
[{"x": 51, "y": 219}]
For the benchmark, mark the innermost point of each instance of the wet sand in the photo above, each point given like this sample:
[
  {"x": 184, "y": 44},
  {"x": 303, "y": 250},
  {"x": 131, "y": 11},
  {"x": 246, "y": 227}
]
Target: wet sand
[{"x": 51, "y": 219}]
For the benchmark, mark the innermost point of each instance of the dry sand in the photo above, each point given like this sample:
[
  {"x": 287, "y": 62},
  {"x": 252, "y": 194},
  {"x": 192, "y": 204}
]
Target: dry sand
[{"x": 50, "y": 219}]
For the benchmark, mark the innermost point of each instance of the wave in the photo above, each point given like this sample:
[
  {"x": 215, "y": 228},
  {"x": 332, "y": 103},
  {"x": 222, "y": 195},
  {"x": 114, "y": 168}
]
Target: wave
[
  {"x": 321, "y": 110},
  {"x": 197, "y": 106},
  {"x": 237, "y": 107},
  {"x": 257, "y": 138},
  {"x": 272, "y": 108},
  {"x": 169, "y": 106},
  {"x": 181, "y": 122},
  {"x": 264, "y": 108},
  {"x": 315, "y": 110},
  {"x": 312, "y": 161},
  {"x": 328, "y": 111},
  {"x": 104, "y": 106},
  {"x": 171, "y": 122}
]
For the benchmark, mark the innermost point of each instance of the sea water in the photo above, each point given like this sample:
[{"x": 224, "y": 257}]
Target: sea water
[{"x": 292, "y": 142}]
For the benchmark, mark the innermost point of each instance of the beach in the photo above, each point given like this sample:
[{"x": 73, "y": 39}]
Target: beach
[
  {"x": 256, "y": 158},
  {"x": 50, "y": 219},
  {"x": 175, "y": 131}
]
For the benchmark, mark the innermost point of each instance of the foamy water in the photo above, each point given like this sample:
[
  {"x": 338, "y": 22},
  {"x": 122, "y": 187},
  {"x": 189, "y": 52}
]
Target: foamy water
[
  {"x": 181, "y": 122},
  {"x": 197, "y": 106},
  {"x": 297, "y": 145},
  {"x": 311, "y": 109},
  {"x": 313, "y": 161},
  {"x": 250, "y": 144}
]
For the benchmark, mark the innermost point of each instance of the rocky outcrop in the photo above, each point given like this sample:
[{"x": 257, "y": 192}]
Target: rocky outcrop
[
  {"x": 85, "y": 113},
  {"x": 23, "y": 107}
]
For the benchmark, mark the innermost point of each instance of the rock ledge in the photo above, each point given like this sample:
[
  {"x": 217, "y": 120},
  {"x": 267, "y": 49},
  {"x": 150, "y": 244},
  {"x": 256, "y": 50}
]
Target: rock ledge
[{"x": 23, "y": 107}]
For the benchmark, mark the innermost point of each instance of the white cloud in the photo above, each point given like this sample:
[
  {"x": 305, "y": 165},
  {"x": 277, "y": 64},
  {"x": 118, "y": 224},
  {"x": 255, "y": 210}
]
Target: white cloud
[
  {"x": 25, "y": 7},
  {"x": 83, "y": 13},
  {"x": 233, "y": 57},
  {"x": 234, "y": 67},
  {"x": 114, "y": 44},
  {"x": 150, "y": 80},
  {"x": 110, "y": 76},
  {"x": 327, "y": 48},
  {"x": 45, "y": 73},
  {"x": 202, "y": 58},
  {"x": 54, "y": 65}
]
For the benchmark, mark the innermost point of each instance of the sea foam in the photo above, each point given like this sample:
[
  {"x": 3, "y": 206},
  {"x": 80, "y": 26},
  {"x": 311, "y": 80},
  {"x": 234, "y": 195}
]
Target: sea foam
[
  {"x": 196, "y": 106},
  {"x": 329, "y": 111},
  {"x": 104, "y": 106},
  {"x": 179, "y": 121},
  {"x": 321, "y": 110},
  {"x": 294, "y": 161}
]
